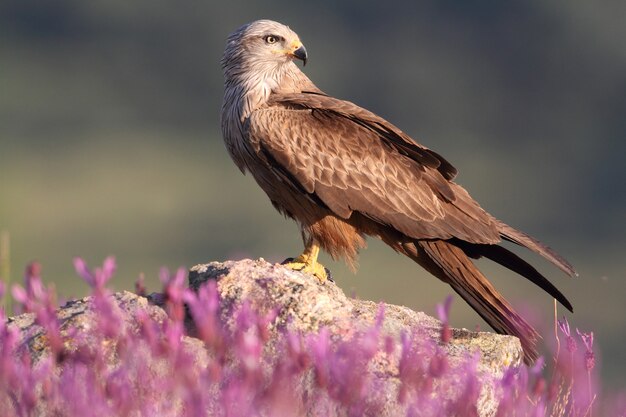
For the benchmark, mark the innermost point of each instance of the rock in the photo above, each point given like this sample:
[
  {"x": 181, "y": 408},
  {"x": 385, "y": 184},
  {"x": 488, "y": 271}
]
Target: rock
[
  {"x": 306, "y": 305},
  {"x": 303, "y": 305},
  {"x": 77, "y": 316}
]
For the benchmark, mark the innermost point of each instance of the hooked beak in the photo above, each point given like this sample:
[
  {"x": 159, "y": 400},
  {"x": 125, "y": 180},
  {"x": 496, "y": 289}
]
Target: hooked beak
[{"x": 300, "y": 53}]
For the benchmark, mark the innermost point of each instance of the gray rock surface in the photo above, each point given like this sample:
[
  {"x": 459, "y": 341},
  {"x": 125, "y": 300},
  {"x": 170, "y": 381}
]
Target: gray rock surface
[
  {"x": 77, "y": 316},
  {"x": 304, "y": 305}
]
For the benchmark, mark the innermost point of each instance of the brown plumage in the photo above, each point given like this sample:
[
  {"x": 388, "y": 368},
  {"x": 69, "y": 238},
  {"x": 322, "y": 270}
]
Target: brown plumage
[{"x": 344, "y": 173}]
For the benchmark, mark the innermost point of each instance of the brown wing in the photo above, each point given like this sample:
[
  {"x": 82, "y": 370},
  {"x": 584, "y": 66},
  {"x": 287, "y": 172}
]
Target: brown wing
[
  {"x": 387, "y": 131},
  {"x": 352, "y": 160}
]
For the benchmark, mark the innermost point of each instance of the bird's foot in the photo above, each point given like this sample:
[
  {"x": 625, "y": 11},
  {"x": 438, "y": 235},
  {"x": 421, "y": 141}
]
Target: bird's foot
[{"x": 307, "y": 265}]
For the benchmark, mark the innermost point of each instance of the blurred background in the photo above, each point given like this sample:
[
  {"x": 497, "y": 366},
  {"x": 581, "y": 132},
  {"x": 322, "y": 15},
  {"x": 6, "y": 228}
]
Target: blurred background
[{"x": 110, "y": 141}]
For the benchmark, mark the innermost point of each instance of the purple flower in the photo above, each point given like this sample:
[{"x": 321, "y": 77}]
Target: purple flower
[
  {"x": 570, "y": 342},
  {"x": 438, "y": 364},
  {"x": 587, "y": 339},
  {"x": 320, "y": 350},
  {"x": 204, "y": 308},
  {"x": 140, "y": 286},
  {"x": 99, "y": 277},
  {"x": 148, "y": 365},
  {"x": 174, "y": 289}
]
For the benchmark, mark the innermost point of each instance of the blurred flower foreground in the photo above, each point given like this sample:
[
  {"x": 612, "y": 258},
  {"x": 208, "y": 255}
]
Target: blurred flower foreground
[{"x": 180, "y": 354}]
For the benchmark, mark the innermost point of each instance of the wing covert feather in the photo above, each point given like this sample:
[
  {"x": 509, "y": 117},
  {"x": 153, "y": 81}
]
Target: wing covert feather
[{"x": 350, "y": 167}]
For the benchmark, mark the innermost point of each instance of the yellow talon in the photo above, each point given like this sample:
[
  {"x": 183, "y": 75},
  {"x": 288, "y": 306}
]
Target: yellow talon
[{"x": 307, "y": 263}]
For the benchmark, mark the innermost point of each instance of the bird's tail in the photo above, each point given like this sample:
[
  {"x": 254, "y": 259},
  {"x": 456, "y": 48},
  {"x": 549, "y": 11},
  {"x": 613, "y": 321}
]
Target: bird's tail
[
  {"x": 450, "y": 264},
  {"x": 511, "y": 261},
  {"x": 522, "y": 239}
]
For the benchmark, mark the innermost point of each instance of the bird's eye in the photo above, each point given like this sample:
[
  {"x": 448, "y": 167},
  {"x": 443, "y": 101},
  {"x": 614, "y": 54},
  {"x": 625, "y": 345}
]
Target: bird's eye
[{"x": 270, "y": 39}]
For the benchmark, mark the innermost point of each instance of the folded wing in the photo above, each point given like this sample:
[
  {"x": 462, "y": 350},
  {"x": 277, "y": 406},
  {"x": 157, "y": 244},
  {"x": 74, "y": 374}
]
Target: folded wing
[{"x": 352, "y": 160}]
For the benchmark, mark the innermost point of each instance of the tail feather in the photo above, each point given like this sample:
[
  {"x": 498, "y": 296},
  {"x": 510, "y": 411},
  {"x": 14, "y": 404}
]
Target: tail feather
[
  {"x": 522, "y": 239},
  {"x": 453, "y": 266},
  {"x": 516, "y": 264}
]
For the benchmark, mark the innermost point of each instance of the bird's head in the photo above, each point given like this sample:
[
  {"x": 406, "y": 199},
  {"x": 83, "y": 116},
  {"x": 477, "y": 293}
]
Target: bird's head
[{"x": 263, "y": 45}]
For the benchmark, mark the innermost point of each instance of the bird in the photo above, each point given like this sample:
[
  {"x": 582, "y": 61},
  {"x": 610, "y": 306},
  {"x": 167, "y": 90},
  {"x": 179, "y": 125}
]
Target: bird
[{"x": 344, "y": 173}]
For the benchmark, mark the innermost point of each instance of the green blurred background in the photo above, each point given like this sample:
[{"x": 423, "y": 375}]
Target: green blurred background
[{"x": 110, "y": 143}]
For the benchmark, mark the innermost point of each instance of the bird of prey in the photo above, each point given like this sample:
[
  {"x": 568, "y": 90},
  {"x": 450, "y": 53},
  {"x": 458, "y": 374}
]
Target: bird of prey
[{"x": 344, "y": 173}]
